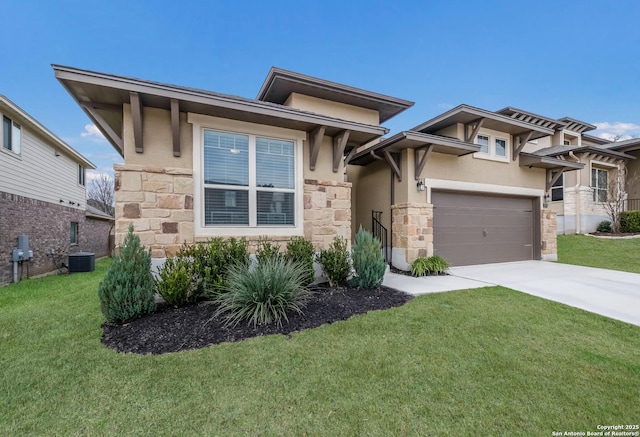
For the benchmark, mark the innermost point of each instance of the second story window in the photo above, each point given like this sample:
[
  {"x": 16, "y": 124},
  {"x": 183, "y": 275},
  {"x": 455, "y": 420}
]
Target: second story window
[
  {"x": 11, "y": 135},
  {"x": 483, "y": 142},
  {"x": 81, "y": 175},
  {"x": 492, "y": 147}
]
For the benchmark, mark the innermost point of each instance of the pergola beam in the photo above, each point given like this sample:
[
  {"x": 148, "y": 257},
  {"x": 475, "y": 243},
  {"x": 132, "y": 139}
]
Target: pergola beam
[
  {"x": 136, "y": 115},
  {"x": 339, "y": 145},
  {"x": 175, "y": 126},
  {"x": 420, "y": 162},
  {"x": 524, "y": 139},
  {"x": 477, "y": 124},
  {"x": 315, "y": 142}
]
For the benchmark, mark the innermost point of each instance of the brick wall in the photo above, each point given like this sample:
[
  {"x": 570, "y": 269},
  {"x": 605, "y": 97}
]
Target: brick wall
[{"x": 48, "y": 227}]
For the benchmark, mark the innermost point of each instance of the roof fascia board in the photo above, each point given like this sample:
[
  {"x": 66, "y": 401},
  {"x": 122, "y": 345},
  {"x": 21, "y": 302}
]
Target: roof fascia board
[
  {"x": 527, "y": 160},
  {"x": 35, "y": 124},
  {"x": 480, "y": 113},
  {"x": 172, "y": 92}
]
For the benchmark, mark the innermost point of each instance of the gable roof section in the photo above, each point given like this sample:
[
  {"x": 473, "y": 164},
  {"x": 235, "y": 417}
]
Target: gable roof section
[
  {"x": 94, "y": 212},
  {"x": 530, "y": 117},
  {"x": 21, "y": 116},
  {"x": 280, "y": 83},
  {"x": 625, "y": 146},
  {"x": 102, "y": 96},
  {"x": 576, "y": 125},
  {"x": 414, "y": 140},
  {"x": 466, "y": 114}
]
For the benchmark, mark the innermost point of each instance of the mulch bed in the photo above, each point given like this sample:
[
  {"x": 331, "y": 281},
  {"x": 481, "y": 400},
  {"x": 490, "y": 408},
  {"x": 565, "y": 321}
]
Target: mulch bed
[
  {"x": 194, "y": 326},
  {"x": 611, "y": 234}
]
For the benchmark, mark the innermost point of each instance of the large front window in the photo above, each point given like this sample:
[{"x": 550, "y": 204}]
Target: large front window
[
  {"x": 249, "y": 180},
  {"x": 599, "y": 184}
]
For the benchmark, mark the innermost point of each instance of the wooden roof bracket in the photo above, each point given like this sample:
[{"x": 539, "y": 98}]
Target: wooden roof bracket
[
  {"x": 393, "y": 164},
  {"x": 104, "y": 126},
  {"x": 552, "y": 179},
  {"x": 420, "y": 162},
  {"x": 175, "y": 126},
  {"x": 315, "y": 142},
  {"x": 350, "y": 156},
  {"x": 524, "y": 139},
  {"x": 476, "y": 124},
  {"x": 136, "y": 115},
  {"x": 339, "y": 144}
]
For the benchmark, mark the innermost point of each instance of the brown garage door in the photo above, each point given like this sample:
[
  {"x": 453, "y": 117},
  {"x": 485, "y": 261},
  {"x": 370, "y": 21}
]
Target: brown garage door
[{"x": 476, "y": 229}]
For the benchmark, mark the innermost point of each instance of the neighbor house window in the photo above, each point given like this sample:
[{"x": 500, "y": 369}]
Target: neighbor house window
[
  {"x": 483, "y": 142},
  {"x": 557, "y": 190},
  {"x": 81, "y": 175},
  {"x": 248, "y": 180},
  {"x": 11, "y": 135},
  {"x": 73, "y": 239},
  {"x": 599, "y": 183}
]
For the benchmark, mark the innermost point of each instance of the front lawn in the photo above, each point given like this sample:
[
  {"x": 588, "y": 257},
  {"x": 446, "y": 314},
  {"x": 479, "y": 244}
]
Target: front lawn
[
  {"x": 489, "y": 361},
  {"x": 613, "y": 254}
]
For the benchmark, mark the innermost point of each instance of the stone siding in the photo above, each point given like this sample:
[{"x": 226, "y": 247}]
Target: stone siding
[
  {"x": 327, "y": 212},
  {"x": 412, "y": 230},
  {"x": 159, "y": 204},
  {"x": 48, "y": 227},
  {"x": 549, "y": 236}
]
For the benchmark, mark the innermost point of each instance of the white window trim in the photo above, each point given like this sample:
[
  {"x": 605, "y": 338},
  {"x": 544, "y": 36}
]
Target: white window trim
[
  {"x": 602, "y": 166},
  {"x": 491, "y": 154},
  {"x": 201, "y": 122},
  {"x": 11, "y": 151}
]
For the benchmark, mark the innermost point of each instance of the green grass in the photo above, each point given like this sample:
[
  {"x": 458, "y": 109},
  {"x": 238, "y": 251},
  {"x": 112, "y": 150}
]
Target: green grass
[
  {"x": 490, "y": 361},
  {"x": 613, "y": 254}
]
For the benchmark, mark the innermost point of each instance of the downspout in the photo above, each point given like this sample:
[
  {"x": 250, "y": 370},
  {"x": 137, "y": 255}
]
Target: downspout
[
  {"x": 577, "y": 189},
  {"x": 393, "y": 200}
]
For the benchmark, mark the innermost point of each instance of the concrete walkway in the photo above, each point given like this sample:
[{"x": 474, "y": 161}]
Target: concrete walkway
[{"x": 606, "y": 292}]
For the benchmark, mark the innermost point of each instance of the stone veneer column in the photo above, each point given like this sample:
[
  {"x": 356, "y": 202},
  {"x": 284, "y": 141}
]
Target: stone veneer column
[
  {"x": 327, "y": 212},
  {"x": 412, "y": 229},
  {"x": 159, "y": 204},
  {"x": 548, "y": 226}
]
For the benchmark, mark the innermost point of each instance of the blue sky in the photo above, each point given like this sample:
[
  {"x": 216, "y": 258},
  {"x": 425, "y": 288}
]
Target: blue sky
[{"x": 555, "y": 58}]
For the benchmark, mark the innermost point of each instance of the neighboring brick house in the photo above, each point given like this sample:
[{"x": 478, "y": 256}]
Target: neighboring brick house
[{"x": 42, "y": 196}]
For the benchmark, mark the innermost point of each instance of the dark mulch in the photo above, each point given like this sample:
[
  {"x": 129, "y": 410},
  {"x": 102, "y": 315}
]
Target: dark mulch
[
  {"x": 194, "y": 327},
  {"x": 611, "y": 234}
]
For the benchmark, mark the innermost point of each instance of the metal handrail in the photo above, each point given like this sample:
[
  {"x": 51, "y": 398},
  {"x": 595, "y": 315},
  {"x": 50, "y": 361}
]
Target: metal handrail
[{"x": 380, "y": 232}]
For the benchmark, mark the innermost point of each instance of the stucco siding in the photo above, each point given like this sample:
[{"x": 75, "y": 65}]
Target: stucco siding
[
  {"x": 333, "y": 109},
  {"x": 39, "y": 174}
]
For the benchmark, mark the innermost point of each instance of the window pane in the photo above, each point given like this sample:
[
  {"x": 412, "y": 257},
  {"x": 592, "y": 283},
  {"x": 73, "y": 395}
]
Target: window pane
[
  {"x": 275, "y": 208},
  {"x": 226, "y": 158},
  {"x": 226, "y": 207},
  {"x": 275, "y": 163},
  {"x": 74, "y": 233},
  {"x": 594, "y": 177},
  {"x": 15, "y": 138},
  {"x": 484, "y": 142},
  {"x": 602, "y": 179},
  {"x": 6, "y": 133},
  {"x": 501, "y": 148}
]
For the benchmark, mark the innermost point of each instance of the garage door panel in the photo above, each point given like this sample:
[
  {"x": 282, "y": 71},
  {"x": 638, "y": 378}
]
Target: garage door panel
[{"x": 472, "y": 228}]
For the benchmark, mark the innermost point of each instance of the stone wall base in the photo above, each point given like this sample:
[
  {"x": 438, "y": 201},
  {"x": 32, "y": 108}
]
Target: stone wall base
[{"x": 412, "y": 233}]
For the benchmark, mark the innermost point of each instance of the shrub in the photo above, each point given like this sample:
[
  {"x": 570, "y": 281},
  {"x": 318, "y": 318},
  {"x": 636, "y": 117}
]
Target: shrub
[
  {"x": 604, "y": 226},
  {"x": 630, "y": 221},
  {"x": 127, "y": 290},
  {"x": 368, "y": 261},
  {"x": 267, "y": 250},
  {"x": 264, "y": 293},
  {"x": 434, "y": 265},
  {"x": 335, "y": 262},
  {"x": 178, "y": 281},
  {"x": 301, "y": 250}
]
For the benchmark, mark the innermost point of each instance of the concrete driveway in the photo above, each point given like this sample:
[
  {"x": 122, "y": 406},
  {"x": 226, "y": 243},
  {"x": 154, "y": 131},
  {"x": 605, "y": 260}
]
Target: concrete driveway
[{"x": 606, "y": 292}]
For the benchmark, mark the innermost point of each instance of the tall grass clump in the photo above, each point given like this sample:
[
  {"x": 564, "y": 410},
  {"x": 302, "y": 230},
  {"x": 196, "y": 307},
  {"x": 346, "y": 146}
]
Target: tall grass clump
[
  {"x": 368, "y": 261},
  {"x": 127, "y": 290},
  {"x": 264, "y": 293}
]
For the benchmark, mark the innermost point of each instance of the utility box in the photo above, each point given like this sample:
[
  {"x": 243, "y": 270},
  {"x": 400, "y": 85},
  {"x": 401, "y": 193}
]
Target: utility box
[{"x": 82, "y": 262}]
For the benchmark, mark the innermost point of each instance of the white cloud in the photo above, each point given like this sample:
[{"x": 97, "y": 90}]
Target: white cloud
[
  {"x": 619, "y": 130},
  {"x": 92, "y": 132}
]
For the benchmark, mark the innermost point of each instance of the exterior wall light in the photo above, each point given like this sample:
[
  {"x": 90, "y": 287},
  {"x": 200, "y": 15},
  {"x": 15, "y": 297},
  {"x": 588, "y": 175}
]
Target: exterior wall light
[{"x": 420, "y": 185}]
